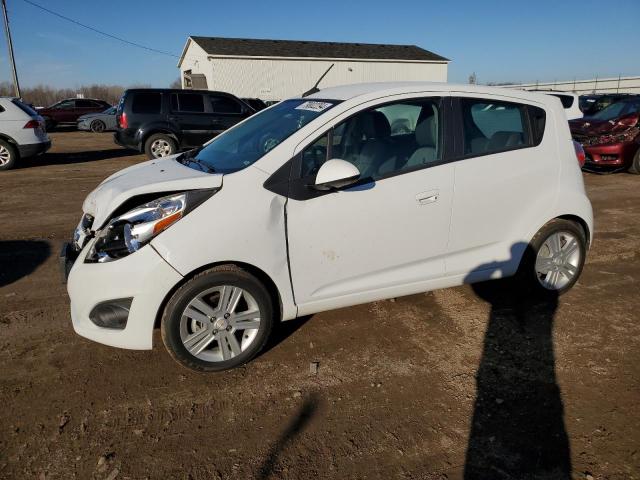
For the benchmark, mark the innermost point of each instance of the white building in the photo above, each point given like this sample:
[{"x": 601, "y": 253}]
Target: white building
[{"x": 278, "y": 69}]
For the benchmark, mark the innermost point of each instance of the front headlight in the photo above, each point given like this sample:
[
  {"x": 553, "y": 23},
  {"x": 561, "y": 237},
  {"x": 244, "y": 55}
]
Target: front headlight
[{"x": 130, "y": 231}]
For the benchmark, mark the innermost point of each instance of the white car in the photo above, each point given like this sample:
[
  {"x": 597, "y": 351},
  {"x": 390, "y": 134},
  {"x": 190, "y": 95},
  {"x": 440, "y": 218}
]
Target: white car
[
  {"x": 570, "y": 102},
  {"x": 22, "y": 132},
  {"x": 315, "y": 204}
]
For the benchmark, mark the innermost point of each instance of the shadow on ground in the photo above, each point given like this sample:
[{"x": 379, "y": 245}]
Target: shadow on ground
[
  {"x": 75, "y": 157},
  {"x": 517, "y": 429},
  {"x": 295, "y": 427},
  {"x": 20, "y": 258}
]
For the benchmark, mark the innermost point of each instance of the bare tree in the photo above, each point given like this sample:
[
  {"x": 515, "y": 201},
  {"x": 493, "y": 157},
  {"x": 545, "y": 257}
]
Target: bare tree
[
  {"x": 177, "y": 83},
  {"x": 473, "y": 79}
]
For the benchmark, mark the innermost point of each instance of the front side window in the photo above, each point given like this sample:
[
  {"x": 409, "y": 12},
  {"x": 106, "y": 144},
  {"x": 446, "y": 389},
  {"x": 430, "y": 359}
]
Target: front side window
[
  {"x": 147, "y": 102},
  {"x": 492, "y": 126},
  {"x": 222, "y": 104},
  {"x": 66, "y": 105},
  {"x": 246, "y": 143},
  {"x": 382, "y": 141}
]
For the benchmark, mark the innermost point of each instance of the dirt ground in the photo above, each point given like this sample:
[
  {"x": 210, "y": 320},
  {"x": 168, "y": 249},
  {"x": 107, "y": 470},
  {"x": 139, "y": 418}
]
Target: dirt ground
[{"x": 459, "y": 383}]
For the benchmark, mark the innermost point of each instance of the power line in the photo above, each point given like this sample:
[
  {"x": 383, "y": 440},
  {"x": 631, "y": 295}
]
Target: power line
[{"x": 133, "y": 44}]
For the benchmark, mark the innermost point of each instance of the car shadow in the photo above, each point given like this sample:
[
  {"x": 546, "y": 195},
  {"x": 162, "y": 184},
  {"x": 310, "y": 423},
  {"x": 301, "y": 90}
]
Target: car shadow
[
  {"x": 75, "y": 157},
  {"x": 295, "y": 427},
  {"x": 283, "y": 330},
  {"x": 20, "y": 258},
  {"x": 517, "y": 428}
]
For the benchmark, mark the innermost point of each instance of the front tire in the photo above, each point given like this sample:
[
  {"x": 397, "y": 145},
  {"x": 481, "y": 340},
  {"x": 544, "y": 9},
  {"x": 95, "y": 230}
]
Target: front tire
[
  {"x": 97, "y": 126},
  {"x": 8, "y": 155},
  {"x": 554, "y": 259},
  {"x": 220, "y": 319},
  {"x": 160, "y": 145},
  {"x": 635, "y": 164}
]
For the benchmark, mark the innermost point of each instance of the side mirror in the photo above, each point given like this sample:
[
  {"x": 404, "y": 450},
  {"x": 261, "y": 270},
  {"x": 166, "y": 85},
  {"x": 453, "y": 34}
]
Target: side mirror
[{"x": 336, "y": 173}]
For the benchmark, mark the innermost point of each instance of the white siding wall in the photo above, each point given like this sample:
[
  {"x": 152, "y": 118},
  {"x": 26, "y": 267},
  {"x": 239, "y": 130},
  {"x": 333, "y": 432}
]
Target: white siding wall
[{"x": 277, "y": 79}]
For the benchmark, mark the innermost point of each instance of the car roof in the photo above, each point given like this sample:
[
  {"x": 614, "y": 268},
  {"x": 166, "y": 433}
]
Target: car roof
[{"x": 382, "y": 89}]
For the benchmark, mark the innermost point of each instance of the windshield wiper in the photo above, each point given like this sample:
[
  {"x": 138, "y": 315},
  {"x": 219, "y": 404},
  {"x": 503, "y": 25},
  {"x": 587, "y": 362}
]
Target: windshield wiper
[{"x": 189, "y": 157}]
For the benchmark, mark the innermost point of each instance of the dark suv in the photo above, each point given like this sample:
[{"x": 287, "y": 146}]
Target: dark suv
[
  {"x": 67, "y": 111},
  {"x": 160, "y": 122}
]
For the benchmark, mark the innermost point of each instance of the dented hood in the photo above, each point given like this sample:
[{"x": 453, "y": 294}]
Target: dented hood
[{"x": 161, "y": 175}]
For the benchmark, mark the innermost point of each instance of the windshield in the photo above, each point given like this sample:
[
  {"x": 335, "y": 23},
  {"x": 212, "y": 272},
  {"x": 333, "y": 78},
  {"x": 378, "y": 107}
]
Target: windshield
[
  {"x": 110, "y": 111},
  {"x": 245, "y": 144},
  {"x": 612, "y": 111}
]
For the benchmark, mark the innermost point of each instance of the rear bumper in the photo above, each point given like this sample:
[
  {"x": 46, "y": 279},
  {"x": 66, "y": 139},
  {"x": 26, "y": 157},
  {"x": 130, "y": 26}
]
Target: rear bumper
[
  {"x": 126, "y": 140},
  {"x": 33, "y": 149},
  {"x": 616, "y": 155}
]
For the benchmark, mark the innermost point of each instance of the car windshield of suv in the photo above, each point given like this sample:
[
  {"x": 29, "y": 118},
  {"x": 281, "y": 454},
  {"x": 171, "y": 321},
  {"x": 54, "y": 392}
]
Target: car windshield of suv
[
  {"x": 243, "y": 145},
  {"x": 110, "y": 111},
  {"x": 609, "y": 113}
]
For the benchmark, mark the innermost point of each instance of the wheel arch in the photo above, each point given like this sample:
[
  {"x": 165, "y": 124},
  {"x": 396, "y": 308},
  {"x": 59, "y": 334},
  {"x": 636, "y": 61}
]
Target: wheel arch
[
  {"x": 7, "y": 138},
  {"x": 580, "y": 221},
  {"x": 267, "y": 281},
  {"x": 143, "y": 135}
]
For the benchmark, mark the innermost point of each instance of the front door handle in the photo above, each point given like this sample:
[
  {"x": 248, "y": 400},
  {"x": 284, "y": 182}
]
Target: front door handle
[{"x": 425, "y": 198}]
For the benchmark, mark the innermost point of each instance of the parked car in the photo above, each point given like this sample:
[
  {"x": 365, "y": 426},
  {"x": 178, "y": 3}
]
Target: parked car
[
  {"x": 67, "y": 112},
  {"x": 570, "y": 102},
  {"x": 255, "y": 103},
  {"x": 98, "y": 122},
  {"x": 313, "y": 205},
  {"x": 161, "y": 122},
  {"x": 611, "y": 137},
  {"x": 592, "y": 104},
  {"x": 22, "y": 132}
]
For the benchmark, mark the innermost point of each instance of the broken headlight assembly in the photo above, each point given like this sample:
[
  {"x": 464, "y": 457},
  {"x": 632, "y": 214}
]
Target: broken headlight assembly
[{"x": 129, "y": 232}]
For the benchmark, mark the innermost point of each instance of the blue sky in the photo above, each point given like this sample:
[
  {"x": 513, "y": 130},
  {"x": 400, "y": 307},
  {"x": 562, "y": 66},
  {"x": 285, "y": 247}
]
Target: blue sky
[{"x": 499, "y": 40}]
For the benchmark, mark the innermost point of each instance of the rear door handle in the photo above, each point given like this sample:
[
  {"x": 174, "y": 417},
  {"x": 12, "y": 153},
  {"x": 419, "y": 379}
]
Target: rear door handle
[{"x": 425, "y": 198}]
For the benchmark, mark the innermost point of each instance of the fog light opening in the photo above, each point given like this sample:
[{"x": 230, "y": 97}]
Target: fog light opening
[{"x": 111, "y": 314}]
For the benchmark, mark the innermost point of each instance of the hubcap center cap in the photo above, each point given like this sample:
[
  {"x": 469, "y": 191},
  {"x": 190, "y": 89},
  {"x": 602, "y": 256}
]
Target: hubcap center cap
[{"x": 220, "y": 324}]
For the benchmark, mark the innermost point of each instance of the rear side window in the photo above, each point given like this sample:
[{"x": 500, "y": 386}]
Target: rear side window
[
  {"x": 566, "y": 100},
  {"x": 85, "y": 104},
  {"x": 221, "y": 104},
  {"x": 537, "y": 120},
  {"x": 493, "y": 126},
  {"x": 187, "y": 102},
  {"x": 147, "y": 102}
]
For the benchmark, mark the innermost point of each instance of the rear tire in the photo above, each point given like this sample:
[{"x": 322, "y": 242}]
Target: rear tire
[
  {"x": 635, "y": 164},
  {"x": 8, "y": 155},
  {"x": 49, "y": 124},
  {"x": 553, "y": 260},
  {"x": 160, "y": 145},
  {"x": 97, "y": 126},
  {"x": 220, "y": 319}
]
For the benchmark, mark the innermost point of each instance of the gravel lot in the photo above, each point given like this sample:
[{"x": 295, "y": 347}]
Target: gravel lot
[{"x": 424, "y": 387}]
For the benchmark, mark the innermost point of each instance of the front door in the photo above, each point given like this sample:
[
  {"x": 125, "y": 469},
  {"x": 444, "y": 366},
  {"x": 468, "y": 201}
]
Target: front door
[
  {"x": 189, "y": 114},
  {"x": 386, "y": 235}
]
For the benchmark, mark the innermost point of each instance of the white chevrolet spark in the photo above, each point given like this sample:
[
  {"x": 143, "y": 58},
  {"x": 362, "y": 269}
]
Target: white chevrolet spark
[{"x": 350, "y": 195}]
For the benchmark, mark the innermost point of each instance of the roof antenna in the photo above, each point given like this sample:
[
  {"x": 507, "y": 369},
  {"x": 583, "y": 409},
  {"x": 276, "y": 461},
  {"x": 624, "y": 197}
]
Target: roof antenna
[{"x": 315, "y": 88}]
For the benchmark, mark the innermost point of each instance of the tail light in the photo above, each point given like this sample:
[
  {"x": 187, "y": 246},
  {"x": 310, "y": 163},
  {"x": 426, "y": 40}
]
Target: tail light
[
  {"x": 580, "y": 154},
  {"x": 32, "y": 124},
  {"x": 122, "y": 120}
]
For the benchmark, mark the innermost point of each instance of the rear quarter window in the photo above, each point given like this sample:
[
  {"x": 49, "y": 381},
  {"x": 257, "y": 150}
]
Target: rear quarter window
[
  {"x": 147, "y": 103},
  {"x": 566, "y": 100}
]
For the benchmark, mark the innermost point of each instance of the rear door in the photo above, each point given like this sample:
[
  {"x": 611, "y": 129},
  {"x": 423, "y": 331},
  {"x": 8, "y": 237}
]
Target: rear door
[
  {"x": 505, "y": 181},
  {"x": 226, "y": 112},
  {"x": 189, "y": 112}
]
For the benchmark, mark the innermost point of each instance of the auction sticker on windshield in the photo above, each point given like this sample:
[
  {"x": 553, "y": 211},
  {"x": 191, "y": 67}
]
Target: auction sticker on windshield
[{"x": 314, "y": 106}]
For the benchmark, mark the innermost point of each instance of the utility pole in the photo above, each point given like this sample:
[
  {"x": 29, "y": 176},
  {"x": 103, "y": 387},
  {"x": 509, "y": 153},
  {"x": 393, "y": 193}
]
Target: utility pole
[{"x": 16, "y": 85}]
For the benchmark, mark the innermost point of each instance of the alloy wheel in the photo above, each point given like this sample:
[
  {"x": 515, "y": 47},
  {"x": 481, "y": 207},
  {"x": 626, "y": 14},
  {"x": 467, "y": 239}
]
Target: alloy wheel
[
  {"x": 220, "y": 323},
  {"x": 558, "y": 260},
  {"x": 5, "y": 156},
  {"x": 160, "y": 148}
]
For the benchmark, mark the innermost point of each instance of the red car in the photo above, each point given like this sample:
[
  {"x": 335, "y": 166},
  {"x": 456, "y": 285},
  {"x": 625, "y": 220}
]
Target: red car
[
  {"x": 67, "y": 111},
  {"x": 611, "y": 137}
]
